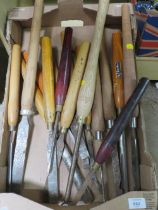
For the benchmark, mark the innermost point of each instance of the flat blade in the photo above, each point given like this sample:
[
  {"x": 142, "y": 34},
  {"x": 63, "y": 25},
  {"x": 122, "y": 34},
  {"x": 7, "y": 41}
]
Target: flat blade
[{"x": 20, "y": 153}]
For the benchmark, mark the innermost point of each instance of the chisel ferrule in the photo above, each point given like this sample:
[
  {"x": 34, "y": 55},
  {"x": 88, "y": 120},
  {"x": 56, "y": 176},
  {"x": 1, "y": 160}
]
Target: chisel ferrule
[
  {"x": 99, "y": 135},
  {"x": 110, "y": 123},
  {"x": 95, "y": 167},
  {"x": 27, "y": 112},
  {"x": 63, "y": 130},
  {"x": 81, "y": 120},
  {"x": 12, "y": 128},
  {"x": 49, "y": 126},
  {"x": 133, "y": 122},
  {"x": 59, "y": 108}
]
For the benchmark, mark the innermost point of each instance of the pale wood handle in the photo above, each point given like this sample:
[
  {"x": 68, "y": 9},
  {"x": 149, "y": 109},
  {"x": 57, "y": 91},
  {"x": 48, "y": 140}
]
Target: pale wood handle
[
  {"x": 86, "y": 94},
  {"x": 72, "y": 94},
  {"x": 97, "y": 109},
  {"x": 106, "y": 84},
  {"x": 48, "y": 80},
  {"x": 88, "y": 119},
  {"x": 13, "y": 103},
  {"x": 129, "y": 65},
  {"x": 29, "y": 82}
]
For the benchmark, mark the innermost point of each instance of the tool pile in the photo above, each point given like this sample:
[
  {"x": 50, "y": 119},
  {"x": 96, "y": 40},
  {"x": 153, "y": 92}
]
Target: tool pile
[{"x": 75, "y": 101}]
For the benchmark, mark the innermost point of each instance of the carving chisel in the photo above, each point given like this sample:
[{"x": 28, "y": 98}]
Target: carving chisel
[
  {"x": 98, "y": 126},
  {"x": 86, "y": 93},
  {"x": 19, "y": 160},
  {"x": 113, "y": 135},
  {"x": 13, "y": 105},
  {"x": 118, "y": 89},
  {"x": 61, "y": 86},
  {"x": 109, "y": 114},
  {"x": 130, "y": 82}
]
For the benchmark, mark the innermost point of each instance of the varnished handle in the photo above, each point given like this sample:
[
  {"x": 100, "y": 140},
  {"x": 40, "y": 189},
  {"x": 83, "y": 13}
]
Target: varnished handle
[
  {"x": 117, "y": 70},
  {"x": 29, "y": 82},
  {"x": 129, "y": 65},
  {"x": 13, "y": 103},
  {"x": 48, "y": 80},
  {"x": 106, "y": 85},
  {"x": 88, "y": 120},
  {"x": 86, "y": 94},
  {"x": 97, "y": 109},
  {"x": 72, "y": 94}
]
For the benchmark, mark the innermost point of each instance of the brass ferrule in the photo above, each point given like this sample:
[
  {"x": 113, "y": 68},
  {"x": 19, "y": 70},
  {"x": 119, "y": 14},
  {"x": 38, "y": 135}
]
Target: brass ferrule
[
  {"x": 59, "y": 108},
  {"x": 27, "y": 112},
  {"x": 63, "y": 130}
]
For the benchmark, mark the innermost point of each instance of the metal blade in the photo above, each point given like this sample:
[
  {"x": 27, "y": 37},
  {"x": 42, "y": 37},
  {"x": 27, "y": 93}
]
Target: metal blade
[{"x": 19, "y": 160}]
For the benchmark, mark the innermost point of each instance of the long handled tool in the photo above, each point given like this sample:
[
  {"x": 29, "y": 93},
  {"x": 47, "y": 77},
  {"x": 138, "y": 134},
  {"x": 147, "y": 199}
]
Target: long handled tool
[
  {"x": 118, "y": 88},
  {"x": 109, "y": 114},
  {"x": 98, "y": 126},
  {"x": 13, "y": 105},
  {"x": 113, "y": 136},
  {"x": 19, "y": 161},
  {"x": 86, "y": 94},
  {"x": 129, "y": 85}
]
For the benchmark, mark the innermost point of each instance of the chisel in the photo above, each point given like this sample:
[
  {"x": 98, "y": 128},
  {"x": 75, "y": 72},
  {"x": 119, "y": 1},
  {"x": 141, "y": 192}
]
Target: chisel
[
  {"x": 98, "y": 126},
  {"x": 109, "y": 114},
  {"x": 113, "y": 135},
  {"x": 19, "y": 160},
  {"x": 130, "y": 82},
  {"x": 61, "y": 86},
  {"x": 86, "y": 93},
  {"x": 13, "y": 105},
  {"x": 118, "y": 89}
]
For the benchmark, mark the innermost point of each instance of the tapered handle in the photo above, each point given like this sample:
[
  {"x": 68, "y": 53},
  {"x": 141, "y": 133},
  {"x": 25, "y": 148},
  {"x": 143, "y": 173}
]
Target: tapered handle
[
  {"x": 117, "y": 70},
  {"x": 38, "y": 94},
  {"x": 106, "y": 85},
  {"x": 29, "y": 82},
  {"x": 64, "y": 70},
  {"x": 48, "y": 80},
  {"x": 88, "y": 120},
  {"x": 86, "y": 94},
  {"x": 72, "y": 94},
  {"x": 97, "y": 109},
  {"x": 13, "y": 103},
  {"x": 129, "y": 65}
]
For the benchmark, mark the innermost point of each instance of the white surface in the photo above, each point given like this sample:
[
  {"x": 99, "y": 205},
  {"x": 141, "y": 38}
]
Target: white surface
[{"x": 137, "y": 203}]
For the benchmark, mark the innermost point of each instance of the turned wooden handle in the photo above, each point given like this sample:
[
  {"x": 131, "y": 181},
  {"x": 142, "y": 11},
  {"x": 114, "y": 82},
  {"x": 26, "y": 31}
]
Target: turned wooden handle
[
  {"x": 38, "y": 94},
  {"x": 75, "y": 83},
  {"x": 117, "y": 70},
  {"x": 86, "y": 94},
  {"x": 14, "y": 85},
  {"x": 39, "y": 79},
  {"x": 97, "y": 109},
  {"x": 48, "y": 80},
  {"x": 29, "y": 82},
  {"x": 88, "y": 120},
  {"x": 106, "y": 85},
  {"x": 129, "y": 65}
]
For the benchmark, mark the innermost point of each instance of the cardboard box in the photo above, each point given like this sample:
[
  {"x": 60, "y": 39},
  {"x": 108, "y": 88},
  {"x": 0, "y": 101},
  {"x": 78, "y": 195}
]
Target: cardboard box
[{"x": 18, "y": 30}]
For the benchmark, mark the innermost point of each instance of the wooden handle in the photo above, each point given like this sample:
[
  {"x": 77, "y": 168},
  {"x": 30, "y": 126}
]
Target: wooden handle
[
  {"x": 106, "y": 85},
  {"x": 29, "y": 82},
  {"x": 48, "y": 80},
  {"x": 13, "y": 103},
  {"x": 72, "y": 94},
  {"x": 97, "y": 109},
  {"x": 38, "y": 94},
  {"x": 86, "y": 94},
  {"x": 88, "y": 120},
  {"x": 117, "y": 70},
  {"x": 39, "y": 79},
  {"x": 129, "y": 65}
]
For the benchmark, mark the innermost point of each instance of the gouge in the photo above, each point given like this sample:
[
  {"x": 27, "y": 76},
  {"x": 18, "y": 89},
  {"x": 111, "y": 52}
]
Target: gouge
[
  {"x": 61, "y": 86},
  {"x": 13, "y": 105},
  {"x": 129, "y": 85},
  {"x": 113, "y": 135},
  {"x": 98, "y": 126},
  {"x": 19, "y": 160},
  {"x": 109, "y": 114},
  {"x": 118, "y": 88},
  {"x": 86, "y": 93}
]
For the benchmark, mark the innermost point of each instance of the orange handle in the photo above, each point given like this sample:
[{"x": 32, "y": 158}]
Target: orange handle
[
  {"x": 39, "y": 73},
  {"x": 117, "y": 70}
]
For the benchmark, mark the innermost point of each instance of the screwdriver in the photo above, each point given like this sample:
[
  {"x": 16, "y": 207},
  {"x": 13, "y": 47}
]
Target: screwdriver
[
  {"x": 19, "y": 160},
  {"x": 130, "y": 82},
  {"x": 109, "y": 116},
  {"x": 98, "y": 126},
  {"x": 113, "y": 135},
  {"x": 86, "y": 93},
  {"x": 118, "y": 89},
  {"x": 13, "y": 105}
]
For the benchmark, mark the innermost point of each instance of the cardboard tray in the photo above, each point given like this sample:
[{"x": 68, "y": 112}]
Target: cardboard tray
[{"x": 18, "y": 31}]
